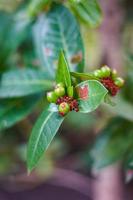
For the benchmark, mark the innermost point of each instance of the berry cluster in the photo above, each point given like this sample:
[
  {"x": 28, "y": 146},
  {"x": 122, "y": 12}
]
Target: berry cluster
[
  {"x": 64, "y": 102},
  {"x": 69, "y": 101},
  {"x": 109, "y": 79},
  {"x": 59, "y": 91},
  {"x": 109, "y": 84}
]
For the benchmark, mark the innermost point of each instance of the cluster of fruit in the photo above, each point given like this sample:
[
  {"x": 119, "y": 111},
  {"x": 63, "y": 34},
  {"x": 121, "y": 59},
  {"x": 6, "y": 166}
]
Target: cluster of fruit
[
  {"x": 109, "y": 79},
  {"x": 64, "y": 102}
]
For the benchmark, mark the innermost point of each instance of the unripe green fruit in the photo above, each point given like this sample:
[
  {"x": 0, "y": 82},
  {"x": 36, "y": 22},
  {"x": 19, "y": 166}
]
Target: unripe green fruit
[
  {"x": 59, "y": 85},
  {"x": 98, "y": 73},
  {"x": 105, "y": 71},
  {"x": 64, "y": 108},
  {"x": 59, "y": 91},
  {"x": 52, "y": 97},
  {"x": 119, "y": 82},
  {"x": 114, "y": 74}
]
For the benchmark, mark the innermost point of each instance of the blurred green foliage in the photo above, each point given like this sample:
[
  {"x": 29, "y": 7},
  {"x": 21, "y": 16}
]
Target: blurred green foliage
[{"x": 24, "y": 46}]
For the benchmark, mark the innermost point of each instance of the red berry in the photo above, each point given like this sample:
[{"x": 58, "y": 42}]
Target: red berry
[
  {"x": 110, "y": 85},
  {"x": 64, "y": 108},
  {"x": 66, "y": 100}
]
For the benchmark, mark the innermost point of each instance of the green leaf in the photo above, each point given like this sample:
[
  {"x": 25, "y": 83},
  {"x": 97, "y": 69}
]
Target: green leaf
[
  {"x": 83, "y": 76},
  {"x": 88, "y": 11},
  {"x": 53, "y": 107},
  {"x": 70, "y": 91},
  {"x": 63, "y": 74},
  {"x": 14, "y": 110},
  {"x": 37, "y": 6},
  {"x": 13, "y": 31},
  {"x": 42, "y": 134},
  {"x": 122, "y": 108},
  {"x": 91, "y": 93},
  {"x": 22, "y": 82},
  {"x": 55, "y": 31},
  {"x": 112, "y": 143},
  {"x": 108, "y": 100}
]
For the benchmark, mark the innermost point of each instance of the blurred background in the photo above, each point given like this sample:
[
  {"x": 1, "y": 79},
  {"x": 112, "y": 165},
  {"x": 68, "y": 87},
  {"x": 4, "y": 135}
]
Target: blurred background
[{"x": 86, "y": 142}]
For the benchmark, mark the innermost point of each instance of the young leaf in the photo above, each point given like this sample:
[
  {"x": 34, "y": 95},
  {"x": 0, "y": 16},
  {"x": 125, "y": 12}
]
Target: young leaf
[
  {"x": 91, "y": 93},
  {"x": 113, "y": 143},
  {"x": 16, "y": 83},
  {"x": 56, "y": 30},
  {"x": 63, "y": 74},
  {"x": 15, "y": 110},
  {"x": 88, "y": 11},
  {"x": 70, "y": 91},
  {"x": 42, "y": 134}
]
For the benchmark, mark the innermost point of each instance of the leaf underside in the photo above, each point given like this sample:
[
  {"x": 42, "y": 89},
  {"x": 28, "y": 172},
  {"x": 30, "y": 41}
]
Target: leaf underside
[
  {"x": 51, "y": 35},
  {"x": 88, "y": 11}
]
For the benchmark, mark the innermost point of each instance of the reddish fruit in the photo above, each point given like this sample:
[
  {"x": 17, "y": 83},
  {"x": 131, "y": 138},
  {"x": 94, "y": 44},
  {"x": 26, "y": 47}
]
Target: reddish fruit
[
  {"x": 110, "y": 85},
  {"x": 64, "y": 108}
]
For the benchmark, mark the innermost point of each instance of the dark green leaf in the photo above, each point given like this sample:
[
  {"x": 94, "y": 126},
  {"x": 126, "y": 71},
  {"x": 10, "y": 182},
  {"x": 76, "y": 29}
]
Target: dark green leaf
[
  {"x": 63, "y": 74},
  {"x": 42, "y": 134},
  {"x": 13, "y": 31},
  {"x": 113, "y": 143},
  {"x": 55, "y": 31},
  {"x": 91, "y": 93},
  {"x": 129, "y": 158},
  {"x": 88, "y": 11},
  {"x": 23, "y": 82},
  {"x": 15, "y": 110}
]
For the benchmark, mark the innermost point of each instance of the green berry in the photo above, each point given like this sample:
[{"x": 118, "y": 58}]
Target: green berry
[
  {"x": 59, "y": 85},
  {"x": 119, "y": 82},
  {"x": 59, "y": 91},
  {"x": 64, "y": 108},
  {"x": 114, "y": 74},
  {"x": 98, "y": 73},
  {"x": 105, "y": 71},
  {"x": 52, "y": 97}
]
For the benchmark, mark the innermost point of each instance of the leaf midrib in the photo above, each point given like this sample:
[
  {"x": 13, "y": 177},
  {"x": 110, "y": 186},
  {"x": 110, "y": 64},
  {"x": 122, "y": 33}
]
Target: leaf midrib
[
  {"x": 41, "y": 130},
  {"x": 63, "y": 38}
]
